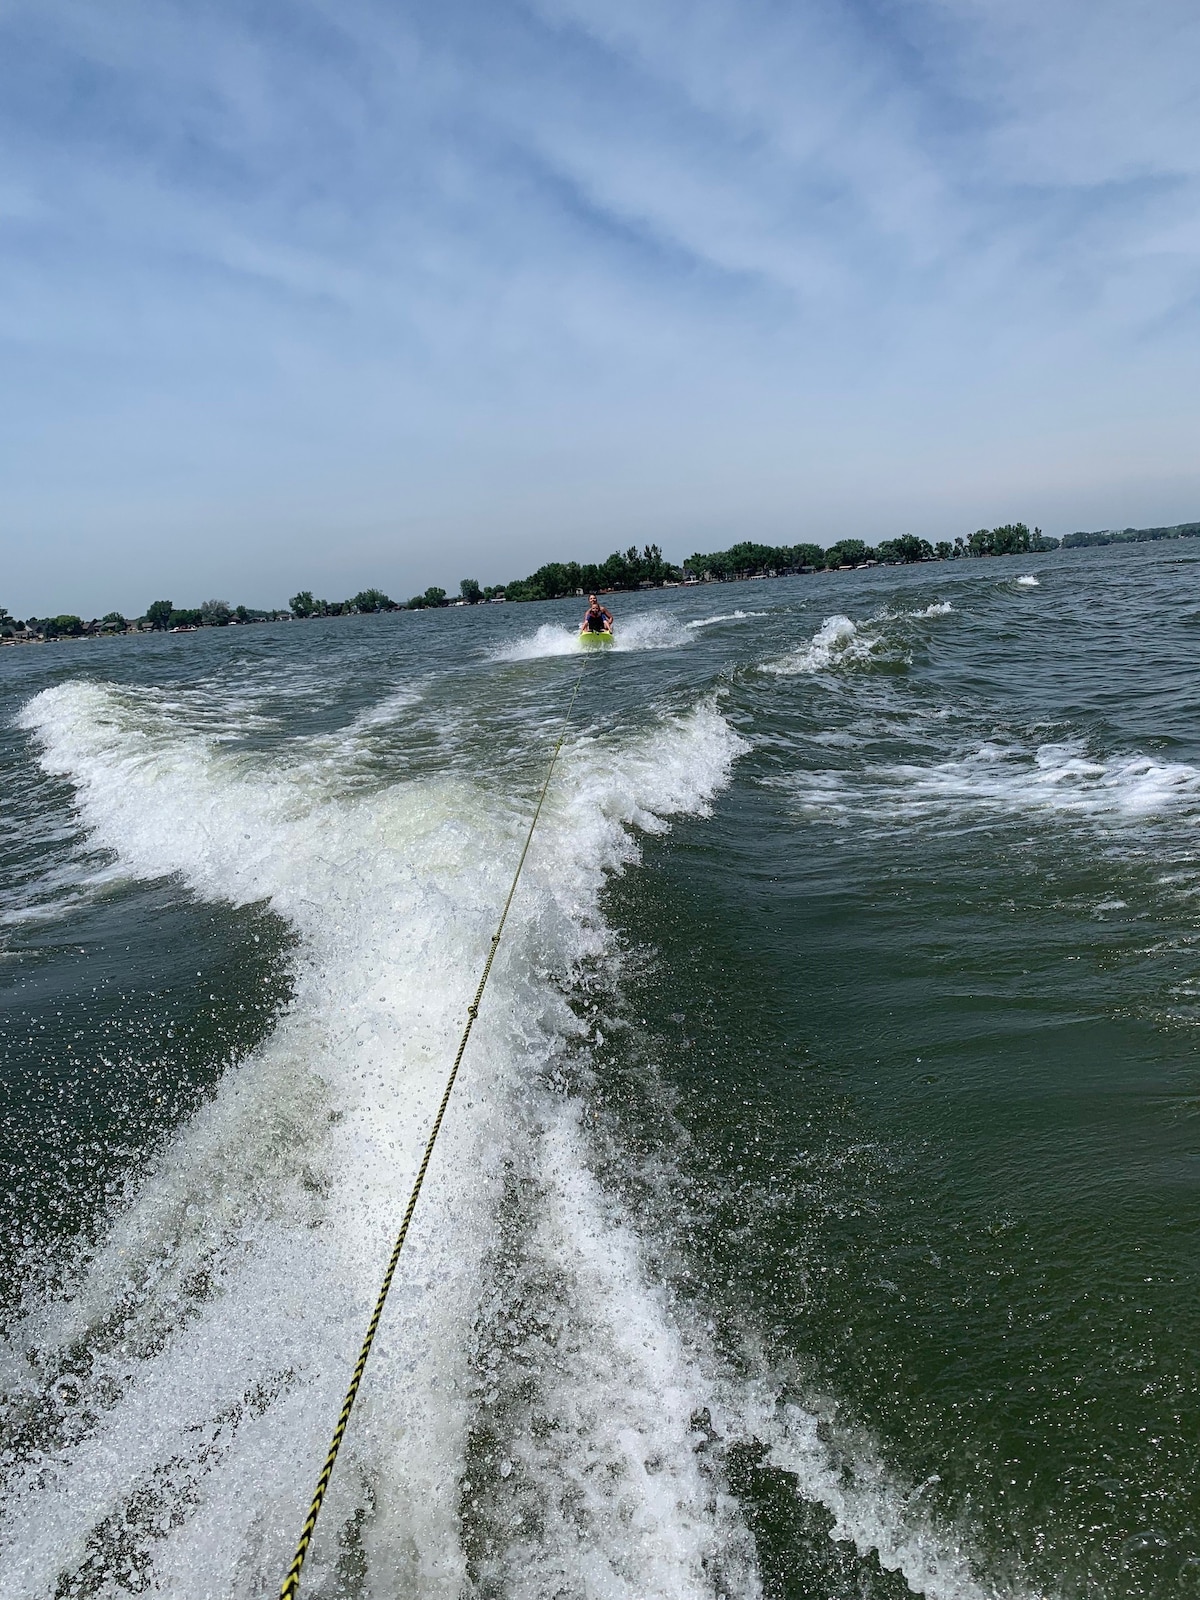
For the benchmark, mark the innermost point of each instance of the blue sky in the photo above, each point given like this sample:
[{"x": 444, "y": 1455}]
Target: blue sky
[{"x": 331, "y": 294}]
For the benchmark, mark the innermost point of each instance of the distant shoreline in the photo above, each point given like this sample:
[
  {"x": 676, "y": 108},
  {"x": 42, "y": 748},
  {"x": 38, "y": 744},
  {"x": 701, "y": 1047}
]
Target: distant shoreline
[{"x": 647, "y": 570}]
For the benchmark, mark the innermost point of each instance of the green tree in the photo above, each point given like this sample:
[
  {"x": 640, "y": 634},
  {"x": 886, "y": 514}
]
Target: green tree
[
  {"x": 301, "y": 605},
  {"x": 372, "y": 600},
  {"x": 189, "y": 617},
  {"x": 435, "y": 596},
  {"x": 1013, "y": 539},
  {"x": 113, "y": 619},
  {"x": 626, "y": 569},
  {"x": 906, "y": 548},
  {"x": 215, "y": 613},
  {"x": 63, "y": 627},
  {"x": 741, "y": 560},
  {"x": 746, "y": 559},
  {"x": 848, "y": 553},
  {"x": 158, "y": 614},
  {"x": 470, "y": 591}
]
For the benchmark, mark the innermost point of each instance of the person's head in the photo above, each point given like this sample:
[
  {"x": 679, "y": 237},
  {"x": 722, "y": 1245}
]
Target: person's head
[{"x": 593, "y": 603}]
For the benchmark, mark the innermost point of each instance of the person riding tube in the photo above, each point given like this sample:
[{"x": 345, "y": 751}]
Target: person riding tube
[{"x": 597, "y": 618}]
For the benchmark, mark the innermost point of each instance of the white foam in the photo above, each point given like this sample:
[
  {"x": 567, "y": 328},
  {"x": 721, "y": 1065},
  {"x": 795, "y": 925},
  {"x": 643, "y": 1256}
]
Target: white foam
[
  {"x": 390, "y": 709},
  {"x": 1028, "y": 581},
  {"x": 652, "y": 630},
  {"x": 622, "y": 1389},
  {"x": 725, "y": 616},
  {"x": 1054, "y": 778},
  {"x": 649, "y": 631},
  {"x": 550, "y": 640},
  {"x": 869, "y": 1510},
  {"x": 939, "y": 608},
  {"x": 223, "y": 1308},
  {"x": 61, "y": 890},
  {"x": 836, "y": 642},
  {"x": 627, "y": 1375},
  {"x": 1063, "y": 777}
]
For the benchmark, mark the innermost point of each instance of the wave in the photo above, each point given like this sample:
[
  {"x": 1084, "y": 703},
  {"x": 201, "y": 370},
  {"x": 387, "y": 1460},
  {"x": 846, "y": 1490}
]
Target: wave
[
  {"x": 180, "y": 1395},
  {"x": 620, "y": 1464},
  {"x": 549, "y": 640},
  {"x": 540, "y": 1415},
  {"x": 1028, "y": 581},
  {"x": 1053, "y": 778},
  {"x": 650, "y": 631},
  {"x": 833, "y": 641},
  {"x": 672, "y": 1408},
  {"x": 725, "y": 616},
  {"x": 837, "y": 642},
  {"x": 390, "y": 709},
  {"x": 939, "y": 608}
]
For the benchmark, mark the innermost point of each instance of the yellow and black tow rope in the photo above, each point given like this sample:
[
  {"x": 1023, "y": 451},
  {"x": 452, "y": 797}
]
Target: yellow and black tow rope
[{"x": 291, "y": 1584}]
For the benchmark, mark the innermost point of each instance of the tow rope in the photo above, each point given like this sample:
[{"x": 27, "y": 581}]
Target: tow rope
[{"x": 291, "y": 1584}]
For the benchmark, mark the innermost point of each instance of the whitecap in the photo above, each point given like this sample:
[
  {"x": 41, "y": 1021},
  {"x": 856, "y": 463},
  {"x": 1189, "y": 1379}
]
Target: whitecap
[
  {"x": 725, "y": 616},
  {"x": 838, "y": 640},
  {"x": 652, "y": 630},
  {"x": 647, "y": 631},
  {"x": 1054, "y": 778},
  {"x": 551, "y": 639}
]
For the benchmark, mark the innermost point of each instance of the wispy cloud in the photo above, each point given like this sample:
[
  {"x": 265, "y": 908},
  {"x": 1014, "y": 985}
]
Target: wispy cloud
[{"x": 367, "y": 288}]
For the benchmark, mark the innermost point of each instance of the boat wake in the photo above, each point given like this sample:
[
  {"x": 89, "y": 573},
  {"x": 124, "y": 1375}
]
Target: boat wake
[{"x": 539, "y": 1417}]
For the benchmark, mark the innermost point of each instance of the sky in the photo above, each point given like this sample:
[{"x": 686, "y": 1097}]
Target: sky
[{"x": 336, "y": 293}]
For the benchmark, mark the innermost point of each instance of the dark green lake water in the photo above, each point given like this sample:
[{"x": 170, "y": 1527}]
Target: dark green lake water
[{"x": 817, "y": 1213}]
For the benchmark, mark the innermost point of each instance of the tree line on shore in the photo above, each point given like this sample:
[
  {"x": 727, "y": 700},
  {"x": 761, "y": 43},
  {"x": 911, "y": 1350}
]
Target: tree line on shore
[
  {"x": 647, "y": 569},
  {"x": 160, "y": 616},
  {"x": 163, "y": 616},
  {"x": 623, "y": 570},
  {"x": 629, "y": 569},
  {"x": 1177, "y": 530}
]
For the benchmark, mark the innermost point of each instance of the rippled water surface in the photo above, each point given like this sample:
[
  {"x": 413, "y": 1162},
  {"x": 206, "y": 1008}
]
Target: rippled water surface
[{"x": 816, "y": 1216}]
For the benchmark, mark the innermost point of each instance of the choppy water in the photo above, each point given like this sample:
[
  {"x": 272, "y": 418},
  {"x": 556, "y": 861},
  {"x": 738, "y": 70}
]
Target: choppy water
[{"x": 817, "y": 1215}]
